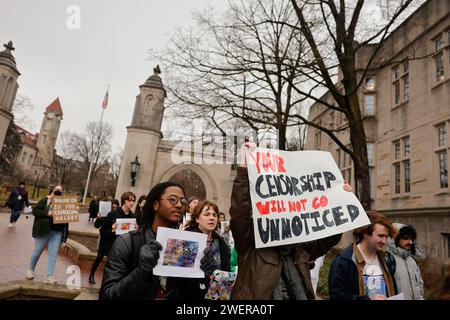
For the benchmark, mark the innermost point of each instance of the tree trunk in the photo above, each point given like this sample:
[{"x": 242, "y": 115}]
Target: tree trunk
[{"x": 282, "y": 138}]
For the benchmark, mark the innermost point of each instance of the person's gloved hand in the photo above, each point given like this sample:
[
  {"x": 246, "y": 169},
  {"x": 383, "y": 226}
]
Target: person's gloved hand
[
  {"x": 208, "y": 263},
  {"x": 149, "y": 255}
]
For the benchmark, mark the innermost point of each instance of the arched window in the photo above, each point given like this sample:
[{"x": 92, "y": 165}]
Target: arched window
[{"x": 191, "y": 182}]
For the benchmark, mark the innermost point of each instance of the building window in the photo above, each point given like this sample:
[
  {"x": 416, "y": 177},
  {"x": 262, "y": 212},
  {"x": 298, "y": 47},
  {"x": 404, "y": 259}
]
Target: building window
[
  {"x": 396, "y": 72},
  {"x": 397, "y": 177},
  {"x": 442, "y": 136},
  {"x": 443, "y": 169},
  {"x": 407, "y": 147},
  {"x": 406, "y": 66},
  {"x": 397, "y": 150},
  {"x": 406, "y": 87},
  {"x": 439, "y": 61},
  {"x": 402, "y": 165},
  {"x": 407, "y": 176},
  {"x": 370, "y": 83},
  {"x": 338, "y": 156},
  {"x": 318, "y": 139},
  {"x": 439, "y": 43},
  {"x": 371, "y": 153},
  {"x": 397, "y": 92},
  {"x": 448, "y": 240},
  {"x": 369, "y": 104},
  {"x": 30, "y": 161}
]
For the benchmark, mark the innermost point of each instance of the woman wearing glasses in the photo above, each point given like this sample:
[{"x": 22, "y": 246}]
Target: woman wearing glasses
[
  {"x": 205, "y": 219},
  {"x": 128, "y": 272}
]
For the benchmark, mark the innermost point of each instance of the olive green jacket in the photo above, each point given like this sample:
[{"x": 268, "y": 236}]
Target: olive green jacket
[{"x": 41, "y": 224}]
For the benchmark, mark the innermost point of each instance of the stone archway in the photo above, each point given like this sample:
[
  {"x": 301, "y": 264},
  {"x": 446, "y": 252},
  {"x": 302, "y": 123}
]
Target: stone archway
[
  {"x": 191, "y": 182},
  {"x": 202, "y": 174}
]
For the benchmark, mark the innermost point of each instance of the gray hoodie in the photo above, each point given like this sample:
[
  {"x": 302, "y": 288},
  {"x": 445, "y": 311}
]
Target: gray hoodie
[{"x": 407, "y": 273}]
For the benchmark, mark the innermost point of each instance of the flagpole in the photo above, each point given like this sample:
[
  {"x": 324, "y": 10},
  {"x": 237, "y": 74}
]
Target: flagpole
[{"x": 92, "y": 162}]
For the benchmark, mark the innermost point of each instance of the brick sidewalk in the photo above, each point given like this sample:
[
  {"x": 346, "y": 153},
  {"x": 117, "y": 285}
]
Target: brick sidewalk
[{"x": 16, "y": 246}]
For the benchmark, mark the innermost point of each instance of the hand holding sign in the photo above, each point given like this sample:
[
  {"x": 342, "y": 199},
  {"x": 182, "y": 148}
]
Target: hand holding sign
[
  {"x": 246, "y": 146},
  {"x": 149, "y": 255}
]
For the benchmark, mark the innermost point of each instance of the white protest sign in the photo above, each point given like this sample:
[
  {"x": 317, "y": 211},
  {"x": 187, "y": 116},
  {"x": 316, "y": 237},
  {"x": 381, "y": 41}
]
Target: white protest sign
[
  {"x": 298, "y": 196},
  {"x": 104, "y": 208},
  {"x": 28, "y": 209},
  {"x": 125, "y": 226},
  {"x": 181, "y": 253}
]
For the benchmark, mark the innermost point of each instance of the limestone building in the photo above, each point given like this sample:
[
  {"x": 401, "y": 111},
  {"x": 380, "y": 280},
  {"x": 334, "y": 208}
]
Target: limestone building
[
  {"x": 405, "y": 99},
  {"x": 36, "y": 157},
  {"x": 8, "y": 88}
]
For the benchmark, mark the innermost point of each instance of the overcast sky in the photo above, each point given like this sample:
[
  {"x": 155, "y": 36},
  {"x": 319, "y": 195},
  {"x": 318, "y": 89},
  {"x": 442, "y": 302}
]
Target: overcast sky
[{"x": 76, "y": 65}]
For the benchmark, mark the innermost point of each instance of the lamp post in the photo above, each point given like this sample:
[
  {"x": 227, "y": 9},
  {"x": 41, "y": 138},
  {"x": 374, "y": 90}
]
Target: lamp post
[{"x": 134, "y": 169}]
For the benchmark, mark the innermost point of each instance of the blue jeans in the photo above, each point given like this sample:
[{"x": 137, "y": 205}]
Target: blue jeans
[
  {"x": 54, "y": 240},
  {"x": 15, "y": 214}
]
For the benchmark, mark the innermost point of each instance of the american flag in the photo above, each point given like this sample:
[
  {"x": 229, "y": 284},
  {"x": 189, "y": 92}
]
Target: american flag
[{"x": 105, "y": 100}]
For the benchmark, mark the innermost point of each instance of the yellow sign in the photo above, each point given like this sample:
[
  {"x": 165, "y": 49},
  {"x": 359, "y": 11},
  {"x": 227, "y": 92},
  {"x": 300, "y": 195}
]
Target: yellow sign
[{"x": 65, "y": 209}]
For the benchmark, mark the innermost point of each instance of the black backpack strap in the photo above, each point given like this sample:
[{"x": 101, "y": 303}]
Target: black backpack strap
[{"x": 137, "y": 242}]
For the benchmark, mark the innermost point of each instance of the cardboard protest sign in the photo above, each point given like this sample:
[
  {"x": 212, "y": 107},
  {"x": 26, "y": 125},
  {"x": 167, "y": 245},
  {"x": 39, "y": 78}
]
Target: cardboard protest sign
[
  {"x": 65, "y": 209},
  {"x": 104, "y": 208},
  {"x": 298, "y": 197},
  {"x": 181, "y": 253},
  {"x": 125, "y": 226}
]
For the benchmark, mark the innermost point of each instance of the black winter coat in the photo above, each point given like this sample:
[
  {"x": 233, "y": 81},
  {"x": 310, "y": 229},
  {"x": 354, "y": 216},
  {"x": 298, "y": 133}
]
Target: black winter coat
[
  {"x": 107, "y": 237},
  {"x": 93, "y": 209},
  {"x": 14, "y": 202},
  {"x": 124, "y": 280}
]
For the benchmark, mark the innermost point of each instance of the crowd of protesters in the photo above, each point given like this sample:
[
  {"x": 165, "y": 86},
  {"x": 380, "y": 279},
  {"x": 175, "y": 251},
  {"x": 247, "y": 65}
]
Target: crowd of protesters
[{"x": 381, "y": 263}]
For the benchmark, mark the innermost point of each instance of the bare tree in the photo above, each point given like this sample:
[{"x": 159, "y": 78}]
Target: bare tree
[
  {"x": 63, "y": 160},
  {"x": 348, "y": 34},
  {"x": 234, "y": 67},
  {"x": 21, "y": 108}
]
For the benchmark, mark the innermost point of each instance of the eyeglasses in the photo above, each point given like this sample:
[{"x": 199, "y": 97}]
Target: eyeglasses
[{"x": 173, "y": 200}]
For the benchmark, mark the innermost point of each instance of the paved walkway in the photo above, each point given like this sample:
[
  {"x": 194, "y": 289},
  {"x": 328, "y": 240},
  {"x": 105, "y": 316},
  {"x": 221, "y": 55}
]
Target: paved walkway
[{"x": 17, "y": 244}]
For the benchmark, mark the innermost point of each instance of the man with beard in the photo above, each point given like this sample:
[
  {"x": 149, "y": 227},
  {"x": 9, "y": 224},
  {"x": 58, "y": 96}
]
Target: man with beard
[{"x": 407, "y": 272}]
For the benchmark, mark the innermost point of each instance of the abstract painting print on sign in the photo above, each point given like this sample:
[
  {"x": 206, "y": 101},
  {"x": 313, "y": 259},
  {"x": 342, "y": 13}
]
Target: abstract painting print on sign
[{"x": 180, "y": 253}]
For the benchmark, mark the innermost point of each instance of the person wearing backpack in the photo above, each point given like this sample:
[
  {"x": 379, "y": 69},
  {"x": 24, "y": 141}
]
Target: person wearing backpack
[{"x": 16, "y": 202}]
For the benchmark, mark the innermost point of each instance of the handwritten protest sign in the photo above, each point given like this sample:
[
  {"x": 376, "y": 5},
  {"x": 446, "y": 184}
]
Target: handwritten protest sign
[
  {"x": 181, "y": 253},
  {"x": 65, "y": 209},
  {"x": 125, "y": 226},
  {"x": 104, "y": 208},
  {"x": 298, "y": 197}
]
